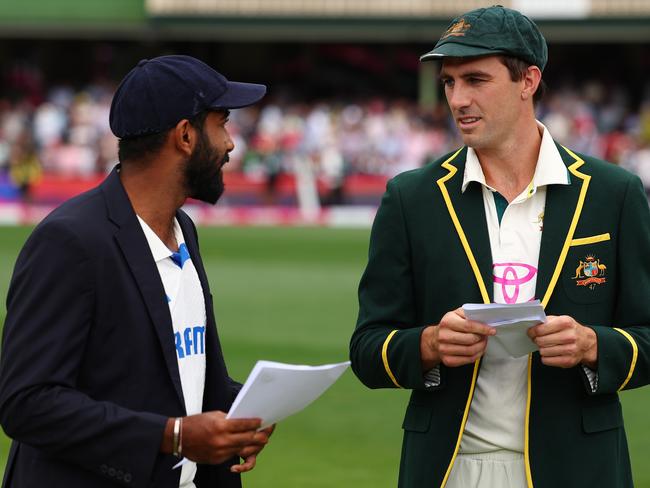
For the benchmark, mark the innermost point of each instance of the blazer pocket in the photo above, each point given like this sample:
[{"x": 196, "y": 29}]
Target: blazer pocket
[
  {"x": 588, "y": 269},
  {"x": 583, "y": 241},
  {"x": 601, "y": 417},
  {"x": 417, "y": 418}
]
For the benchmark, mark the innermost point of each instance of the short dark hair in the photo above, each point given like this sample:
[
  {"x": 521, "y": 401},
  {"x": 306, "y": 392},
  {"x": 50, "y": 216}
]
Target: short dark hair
[
  {"x": 517, "y": 69},
  {"x": 144, "y": 147},
  {"x": 140, "y": 147},
  {"x": 198, "y": 121}
]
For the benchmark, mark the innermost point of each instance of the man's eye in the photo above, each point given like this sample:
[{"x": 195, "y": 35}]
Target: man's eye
[
  {"x": 446, "y": 82},
  {"x": 475, "y": 81}
]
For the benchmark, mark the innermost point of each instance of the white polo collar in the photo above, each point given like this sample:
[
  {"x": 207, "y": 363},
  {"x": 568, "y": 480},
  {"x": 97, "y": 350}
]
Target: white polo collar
[
  {"x": 550, "y": 168},
  {"x": 158, "y": 248}
]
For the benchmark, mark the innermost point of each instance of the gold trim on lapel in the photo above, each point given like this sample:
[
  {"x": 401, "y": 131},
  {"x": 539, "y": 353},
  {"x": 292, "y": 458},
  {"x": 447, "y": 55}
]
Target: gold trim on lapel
[
  {"x": 481, "y": 284},
  {"x": 462, "y": 424},
  {"x": 574, "y": 223},
  {"x": 459, "y": 229}
]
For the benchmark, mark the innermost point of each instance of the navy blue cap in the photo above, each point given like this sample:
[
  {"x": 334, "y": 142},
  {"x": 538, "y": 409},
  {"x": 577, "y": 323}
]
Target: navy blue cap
[{"x": 158, "y": 93}]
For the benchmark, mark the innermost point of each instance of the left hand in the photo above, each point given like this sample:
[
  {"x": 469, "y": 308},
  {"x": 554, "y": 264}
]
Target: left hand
[
  {"x": 249, "y": 453},
  {"x": 564, "y": 343}
]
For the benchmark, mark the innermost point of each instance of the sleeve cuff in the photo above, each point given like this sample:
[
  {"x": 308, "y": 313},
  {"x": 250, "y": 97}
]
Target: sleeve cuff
[
  {"x": 432, "y": 377},
  {"x": 592, "y": 376}
]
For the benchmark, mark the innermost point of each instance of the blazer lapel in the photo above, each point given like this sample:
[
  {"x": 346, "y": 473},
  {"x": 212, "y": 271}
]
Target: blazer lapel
[
  {"x": 216, "y": 395},
  {"x": 192, "y": 247},
  {"x": 561, "y": 215},
  {"x": 467, "y": 213},
  {"x": 135, "y": 249}
]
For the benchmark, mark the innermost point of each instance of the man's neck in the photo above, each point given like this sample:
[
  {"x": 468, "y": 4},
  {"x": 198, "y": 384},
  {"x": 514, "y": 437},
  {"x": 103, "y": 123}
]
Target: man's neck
[
  {"x": 155, "y": 200},
  {"x": 510, "y": 168}
]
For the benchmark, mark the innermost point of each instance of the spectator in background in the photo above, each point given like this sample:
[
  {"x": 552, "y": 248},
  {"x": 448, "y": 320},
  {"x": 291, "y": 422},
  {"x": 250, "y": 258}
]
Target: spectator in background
[
  {"x": 640, "y": 164},
  {"x": 336, "y": 137},
  {"x": 24, "y": 165}
]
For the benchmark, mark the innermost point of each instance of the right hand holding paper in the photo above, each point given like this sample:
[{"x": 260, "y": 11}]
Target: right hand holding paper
[{"x": 273, "y": 391}]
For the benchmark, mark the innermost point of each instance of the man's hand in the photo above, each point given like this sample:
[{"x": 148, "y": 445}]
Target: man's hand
[
  {"x": 210, "y": 438},
  {"x": 565, "y": 343},
  {"x": 249, "y": 454},
  {"x": 455, "y": 341}
]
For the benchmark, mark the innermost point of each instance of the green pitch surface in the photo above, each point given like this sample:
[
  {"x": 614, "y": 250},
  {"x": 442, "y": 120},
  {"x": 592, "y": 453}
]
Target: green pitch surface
[{"x": 289, "y": 295}]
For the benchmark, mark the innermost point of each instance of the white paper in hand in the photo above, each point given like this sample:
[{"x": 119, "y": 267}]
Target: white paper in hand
[
  {"x": 512, "y": 322},
  {"x": 274, "y": 391}
]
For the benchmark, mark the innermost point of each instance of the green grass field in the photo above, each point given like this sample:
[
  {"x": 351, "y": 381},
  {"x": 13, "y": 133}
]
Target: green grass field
[{"x": 289, "y": 295}]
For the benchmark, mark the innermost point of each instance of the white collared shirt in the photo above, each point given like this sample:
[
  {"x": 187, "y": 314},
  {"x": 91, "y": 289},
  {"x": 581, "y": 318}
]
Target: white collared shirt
[
  {"x": 497, "y": 413},
  {"x": 184, "y": 294}
]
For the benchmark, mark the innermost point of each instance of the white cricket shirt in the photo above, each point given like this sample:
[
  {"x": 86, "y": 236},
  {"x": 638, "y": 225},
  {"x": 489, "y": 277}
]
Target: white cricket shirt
[
  {"x": 184, "y": 294},
  {"x": 496, "y": 416}
]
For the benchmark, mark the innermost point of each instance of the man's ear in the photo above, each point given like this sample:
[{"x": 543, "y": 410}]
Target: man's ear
[
  {"x": 532, "y": 78},
  {"x": 184, "y": 137}
]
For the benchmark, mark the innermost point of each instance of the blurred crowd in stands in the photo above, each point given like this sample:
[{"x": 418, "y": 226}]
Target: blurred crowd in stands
[{"x": 66, "y": 132}]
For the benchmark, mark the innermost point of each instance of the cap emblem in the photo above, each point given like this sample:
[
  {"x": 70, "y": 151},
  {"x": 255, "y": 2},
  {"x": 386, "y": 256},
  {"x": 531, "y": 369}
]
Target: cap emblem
[{"x": 458, "y": 29}]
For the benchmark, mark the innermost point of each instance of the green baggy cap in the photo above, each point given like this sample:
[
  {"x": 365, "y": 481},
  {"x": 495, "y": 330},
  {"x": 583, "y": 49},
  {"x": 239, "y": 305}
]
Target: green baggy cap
[{"x": 493, "y": 30}]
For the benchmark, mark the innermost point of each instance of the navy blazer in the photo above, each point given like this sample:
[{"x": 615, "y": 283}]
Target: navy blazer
[{"x": 88, "y": 373}]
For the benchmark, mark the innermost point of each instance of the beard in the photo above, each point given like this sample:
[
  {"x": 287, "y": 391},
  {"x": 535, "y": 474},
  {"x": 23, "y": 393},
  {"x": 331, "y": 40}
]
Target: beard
[{"x": 203, "y": 175}]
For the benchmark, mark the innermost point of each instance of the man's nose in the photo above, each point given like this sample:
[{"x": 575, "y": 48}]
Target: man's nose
[
  {"x": 458, "y": 97},
  {"x": 230, "y": 145}
]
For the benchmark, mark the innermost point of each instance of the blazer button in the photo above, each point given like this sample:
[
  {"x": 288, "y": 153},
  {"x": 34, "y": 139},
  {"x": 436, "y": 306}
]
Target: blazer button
[
  {"x": 120, "y": 474},
  {"x": 111, "y": 472},
  {"x": 127, "y": 477},
  {"x": 103, "y": 468}
]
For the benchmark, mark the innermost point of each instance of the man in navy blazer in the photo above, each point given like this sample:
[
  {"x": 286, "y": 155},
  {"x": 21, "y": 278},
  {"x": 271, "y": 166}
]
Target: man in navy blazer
[{"x": 91, "y": 381}]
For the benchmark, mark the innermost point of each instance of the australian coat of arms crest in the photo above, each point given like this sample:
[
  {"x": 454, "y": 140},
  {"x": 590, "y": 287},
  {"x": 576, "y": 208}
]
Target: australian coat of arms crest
[{"x": 590, "y": 272}]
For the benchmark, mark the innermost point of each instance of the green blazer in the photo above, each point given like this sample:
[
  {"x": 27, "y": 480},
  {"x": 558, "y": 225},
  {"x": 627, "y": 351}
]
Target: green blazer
[{"x": 430, "y": 253}]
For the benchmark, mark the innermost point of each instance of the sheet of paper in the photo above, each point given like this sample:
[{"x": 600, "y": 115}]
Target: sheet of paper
[
  {"x": 512, "y": 321},
  {"x": 274, "y": 391}
]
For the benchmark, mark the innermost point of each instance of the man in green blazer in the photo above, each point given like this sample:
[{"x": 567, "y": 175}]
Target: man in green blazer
[{"x": 510, "y": 217}]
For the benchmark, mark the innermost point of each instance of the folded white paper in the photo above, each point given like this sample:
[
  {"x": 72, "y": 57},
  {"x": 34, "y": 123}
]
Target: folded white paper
[
  {"x": 274, "y": 391},
  {"x": 512, "y": 322}
]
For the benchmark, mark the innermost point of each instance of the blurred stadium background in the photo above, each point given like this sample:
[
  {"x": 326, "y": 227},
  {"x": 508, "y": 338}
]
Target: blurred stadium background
[{"x": 348, "y": 107}]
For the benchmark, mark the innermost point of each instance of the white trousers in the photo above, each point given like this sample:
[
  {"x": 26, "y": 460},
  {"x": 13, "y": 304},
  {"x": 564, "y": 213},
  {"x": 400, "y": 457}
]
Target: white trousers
[{"x": 499, "y": 469}]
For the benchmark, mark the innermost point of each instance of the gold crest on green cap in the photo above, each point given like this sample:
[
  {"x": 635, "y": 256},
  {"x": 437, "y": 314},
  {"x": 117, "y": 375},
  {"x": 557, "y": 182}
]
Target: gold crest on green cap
[{"x": 457, "y": 29}]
